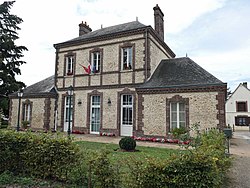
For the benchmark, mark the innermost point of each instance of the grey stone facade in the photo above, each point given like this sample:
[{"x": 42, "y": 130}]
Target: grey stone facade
[{"x": 154, "y": 80}]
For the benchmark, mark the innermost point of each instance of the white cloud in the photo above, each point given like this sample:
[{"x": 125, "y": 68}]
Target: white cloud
[{"x": 191, "y": 26}]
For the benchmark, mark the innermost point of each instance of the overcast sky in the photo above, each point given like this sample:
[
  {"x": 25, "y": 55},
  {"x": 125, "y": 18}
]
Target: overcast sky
[{"x": 213, "y": 33}]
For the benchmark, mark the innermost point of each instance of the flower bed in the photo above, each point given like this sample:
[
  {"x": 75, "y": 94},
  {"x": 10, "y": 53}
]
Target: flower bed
[
  {"x": 77, "y": 132},
  {"x": 162, "y": 140},
  {"x": 107, "y": 134}
]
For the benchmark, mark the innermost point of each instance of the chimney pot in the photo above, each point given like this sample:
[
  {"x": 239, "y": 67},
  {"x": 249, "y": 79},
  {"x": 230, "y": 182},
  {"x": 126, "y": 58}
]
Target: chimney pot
[
  {"x": 245, "y": 84},
  {"x": 84, "y": 28}
]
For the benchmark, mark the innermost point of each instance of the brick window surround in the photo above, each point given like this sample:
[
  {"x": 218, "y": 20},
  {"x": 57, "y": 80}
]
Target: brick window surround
[
  {"x": 66, "y": 57},
  {"x": 121, "y": 47},
  {"x": 24, "y": 106},
  {"x": 94, "y": 93},
  {"x": 126, "y": 91},
  {"x": 176, "y": 99},
  {"x": 100, "y": 51}
]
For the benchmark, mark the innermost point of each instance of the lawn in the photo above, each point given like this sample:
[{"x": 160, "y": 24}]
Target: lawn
[
  {"x": 114, "y": 155},
  {"x": 142, "y": 152}
]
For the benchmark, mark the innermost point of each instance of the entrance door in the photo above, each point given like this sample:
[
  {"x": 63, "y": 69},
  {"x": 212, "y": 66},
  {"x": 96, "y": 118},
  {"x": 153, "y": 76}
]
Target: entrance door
[
  {"x": 95, "y": 115},
  {"x": 126, "y": 115},
  {"x": 66, "y": 114}
]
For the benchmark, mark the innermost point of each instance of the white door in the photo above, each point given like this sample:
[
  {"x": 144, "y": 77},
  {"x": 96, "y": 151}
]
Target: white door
[
  {"x": 95, "y": 114},
  {"x": 66, "y": 114},
  {"x": 126, "y": 115}
]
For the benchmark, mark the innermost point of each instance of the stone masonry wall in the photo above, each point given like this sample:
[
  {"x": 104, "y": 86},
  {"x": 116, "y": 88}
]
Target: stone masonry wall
[
  {"x": 37, "y": 118},
  {"x": 156, "y": 54},
  {"x": 202, "y": 108},
  {"x": 110, "y": 61},
  {"x": 80, "y": 119}
]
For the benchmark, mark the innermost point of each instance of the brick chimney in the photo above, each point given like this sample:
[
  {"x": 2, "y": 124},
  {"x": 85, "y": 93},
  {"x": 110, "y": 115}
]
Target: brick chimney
[
  {"x": 84, "y": 28},
  {"x": 244, "y": 84},
  {"x": 159, "y": 22}
]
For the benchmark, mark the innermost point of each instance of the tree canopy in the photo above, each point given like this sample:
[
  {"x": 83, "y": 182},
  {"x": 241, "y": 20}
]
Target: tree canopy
[{"x": 10, "y": 53}]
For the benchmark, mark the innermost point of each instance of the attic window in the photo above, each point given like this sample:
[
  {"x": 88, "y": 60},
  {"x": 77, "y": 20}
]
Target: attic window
[{"x": 241, "y": 106}]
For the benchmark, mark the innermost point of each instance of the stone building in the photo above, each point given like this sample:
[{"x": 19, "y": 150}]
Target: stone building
[
  {"x": 127, "y": 81},
  {"x": 37, "y": 106}
]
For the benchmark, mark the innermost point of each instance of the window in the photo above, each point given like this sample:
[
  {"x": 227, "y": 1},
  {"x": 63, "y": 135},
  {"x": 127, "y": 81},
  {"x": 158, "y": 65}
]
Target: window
[
  {"x": 69, "y": 65},
  {"x": 95, "y": 62},
  {"x": 126, "y": 58},
  {"x": 242, "y": 121},
  {"x": 27, "y": 112},
  {"x": 67, "y": 107},
  {"x": 177, "y": 115},
  {"x": 127, "y": 110},
  {"x": 95, "y": 114},
  {"x": 241, "y": 106}
]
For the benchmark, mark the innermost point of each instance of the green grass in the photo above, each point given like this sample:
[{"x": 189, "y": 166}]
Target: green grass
[
  {"x": 142, "y": 152},
  {"x": 115, "y": 156}
]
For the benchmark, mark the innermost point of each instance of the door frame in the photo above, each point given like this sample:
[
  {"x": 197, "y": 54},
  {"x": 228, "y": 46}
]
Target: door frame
[
  {"x": 91, "y": 108},
  {"x": 88, "y": 119},
  {"x": 126, "y": 91}
]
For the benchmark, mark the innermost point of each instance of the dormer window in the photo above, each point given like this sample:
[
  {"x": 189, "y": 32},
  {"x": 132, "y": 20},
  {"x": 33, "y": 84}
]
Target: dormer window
[
  {"x": 127, "y": 58},
  {"x": 69, "y": 65},
  {"x": 95, "y": 62}
]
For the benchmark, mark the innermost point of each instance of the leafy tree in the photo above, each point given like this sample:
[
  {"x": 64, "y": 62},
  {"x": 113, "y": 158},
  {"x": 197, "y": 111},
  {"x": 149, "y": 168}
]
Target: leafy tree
[{"x": 10, "y": 53}]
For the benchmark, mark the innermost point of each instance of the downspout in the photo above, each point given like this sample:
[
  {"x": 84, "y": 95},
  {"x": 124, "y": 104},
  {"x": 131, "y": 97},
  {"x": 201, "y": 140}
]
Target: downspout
[
  {"x": 146, "y": 55},
  {"x": 57, "y": 95}
]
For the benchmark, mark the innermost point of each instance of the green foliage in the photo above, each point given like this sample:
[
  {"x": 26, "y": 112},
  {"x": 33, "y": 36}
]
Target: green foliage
[
  {"x": 39, "y": 155},
  {"x": 4, "y": 124},
  {"x": 10, "y": 53},
  {"x": 179, "y": 131},
  {"x": 127, "y": 143},
  {"x": 55, "y": 157},
  {"x": 202, "y": 166},
  {"x": 25, "y": 124},
  {"x": 103, "y": 172}
]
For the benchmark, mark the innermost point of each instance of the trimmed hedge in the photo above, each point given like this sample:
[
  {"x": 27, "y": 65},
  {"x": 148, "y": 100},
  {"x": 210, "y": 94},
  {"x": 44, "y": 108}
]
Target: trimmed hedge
[
  {"x": 39, "y": 155},
  {"x": 201, "y": 166},
  {"x": 51, "y": 156}
]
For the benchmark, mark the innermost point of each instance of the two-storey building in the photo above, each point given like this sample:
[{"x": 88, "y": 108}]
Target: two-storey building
[
  {"x": 238, "y": 106},
  {"x": 127, "y": 81}
]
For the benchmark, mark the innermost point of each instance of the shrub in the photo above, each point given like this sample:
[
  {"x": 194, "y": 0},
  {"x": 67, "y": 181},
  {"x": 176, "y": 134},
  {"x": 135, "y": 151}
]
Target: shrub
[
  {"x": 179, "y": 131},
  {"x": 40, "y": 155},
  {"x": 127, "y": 143},
  {"x": 25, "y": 124},
  {"x": 204, "y": 165}
]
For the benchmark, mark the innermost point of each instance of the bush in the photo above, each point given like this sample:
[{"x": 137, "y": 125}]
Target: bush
[
  {"x": 179, "y": 131},
  {"x": 40, "y": 155},
  {"x": 127, "y": 143},
  {"x": 201, "y": 166}
]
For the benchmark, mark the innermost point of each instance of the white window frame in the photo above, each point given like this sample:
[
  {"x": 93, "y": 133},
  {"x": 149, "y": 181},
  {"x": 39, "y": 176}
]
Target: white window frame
[
  {"x": 95, "y": 61},
  {"x": 177, "y": 114},
  {"x": 67, "y": 98},
  {"x": 92, "y": 107},
  {"x": 128, "y": 105},
  {"x": 27, "y": 112},
  {"x": 127, "y": 58},
  {"x": 70, "y": 65}
]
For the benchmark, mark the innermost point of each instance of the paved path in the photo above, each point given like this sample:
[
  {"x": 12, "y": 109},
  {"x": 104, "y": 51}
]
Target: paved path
[{"x": 239, "y": 174}]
